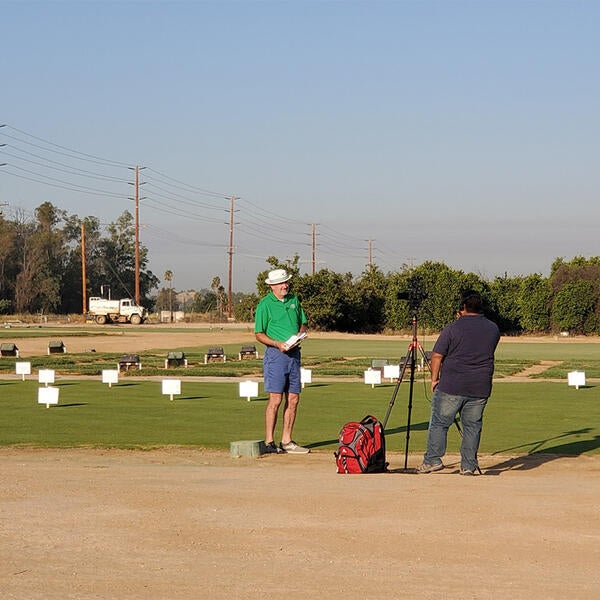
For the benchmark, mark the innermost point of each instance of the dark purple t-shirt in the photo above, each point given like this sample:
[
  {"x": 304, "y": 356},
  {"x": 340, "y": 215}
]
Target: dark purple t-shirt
[{"x": 468, "y": 345}]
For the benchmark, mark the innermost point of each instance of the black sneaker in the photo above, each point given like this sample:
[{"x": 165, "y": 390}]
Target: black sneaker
[{"x": 271, "y": 448}]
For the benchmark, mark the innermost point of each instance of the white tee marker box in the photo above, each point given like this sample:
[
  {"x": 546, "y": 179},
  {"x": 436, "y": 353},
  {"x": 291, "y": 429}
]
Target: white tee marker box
[
  {"x": 110, "y": 376},
  {"x": 305, "y": 376},
  {"x": 576, "y": 378},
  {"x": 248, "y": 389},
  {"x": 391, "y": 371},
  {"x": 46, "y": 376},
  {"x": 48, "y": 396},
  {"x": 372, "y": 377},
  {"x": 23, "y": 368},
  {"x": 171, "y": 387}
]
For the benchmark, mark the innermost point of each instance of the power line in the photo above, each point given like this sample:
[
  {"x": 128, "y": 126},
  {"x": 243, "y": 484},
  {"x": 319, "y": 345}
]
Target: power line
[
  {"x": 70, "y": 168},
  {"x": 65, "y": 185},
  {"x": 256, "y": 226},
  {"x": 190, "y": 187},
  {"x": 78, "y": 155}
]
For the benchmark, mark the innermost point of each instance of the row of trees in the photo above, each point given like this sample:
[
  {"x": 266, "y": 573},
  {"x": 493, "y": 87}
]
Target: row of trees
[
  {"x": 41, "y": 265},
  {"x": 41, "y": 271},
  {"x": 567, "y": 300}
]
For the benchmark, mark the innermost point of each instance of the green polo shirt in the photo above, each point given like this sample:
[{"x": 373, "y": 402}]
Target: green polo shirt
[{"x": 279, "y": 319}]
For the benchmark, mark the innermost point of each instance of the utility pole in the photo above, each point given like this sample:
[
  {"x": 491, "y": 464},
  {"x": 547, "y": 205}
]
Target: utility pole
[
  {"x": 230, "y": 261},
  {"x": 137, "y": 199},
  {"x": 370, "y": 253},
  {"x": 83, "y": 273},
  {"x": 137, "y": 235},
  {"x": 314, "y": 248}
]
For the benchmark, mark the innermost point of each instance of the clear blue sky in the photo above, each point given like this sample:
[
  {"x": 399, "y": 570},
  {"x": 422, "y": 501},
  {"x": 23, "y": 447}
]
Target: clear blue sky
[{"x": 466, "y": 132}]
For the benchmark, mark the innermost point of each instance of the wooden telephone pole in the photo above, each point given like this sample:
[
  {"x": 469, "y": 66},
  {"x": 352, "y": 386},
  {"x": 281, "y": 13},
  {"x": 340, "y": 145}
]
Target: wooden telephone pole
[
  {"x": 83, "y": 272},
  {"x": 137, "y": 199},
  {"x": 230, "y": 261},
  {"x": 314, "y": 247},
  {"x": 137, "y": 235}
]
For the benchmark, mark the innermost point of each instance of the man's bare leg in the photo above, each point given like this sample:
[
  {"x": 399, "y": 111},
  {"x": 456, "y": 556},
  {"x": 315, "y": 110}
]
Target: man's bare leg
[
  {"x": 271, "y": 416},
  {"x": 289, "y": 416}
]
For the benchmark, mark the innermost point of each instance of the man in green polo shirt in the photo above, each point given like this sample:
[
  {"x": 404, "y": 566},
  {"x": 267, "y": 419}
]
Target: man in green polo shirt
[{"x": 279, "y": 316}]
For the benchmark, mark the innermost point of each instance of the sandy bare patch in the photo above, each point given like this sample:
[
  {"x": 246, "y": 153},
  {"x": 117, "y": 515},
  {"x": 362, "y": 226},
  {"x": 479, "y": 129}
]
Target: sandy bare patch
[
  {"x": 189, "y": 524},
  {"x": 130, "y": 339}
]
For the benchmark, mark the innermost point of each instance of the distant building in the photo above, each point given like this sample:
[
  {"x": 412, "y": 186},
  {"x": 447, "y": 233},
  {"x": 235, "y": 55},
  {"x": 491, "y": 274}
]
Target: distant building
[
  {"x": 178, "y": 316},
  {"x": 185, "y": 299}
]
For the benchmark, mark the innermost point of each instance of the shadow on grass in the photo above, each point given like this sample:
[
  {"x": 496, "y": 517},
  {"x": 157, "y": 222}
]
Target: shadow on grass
[
  {"x": 541, "y": 454},
  {"x": 71, "y": 404}
]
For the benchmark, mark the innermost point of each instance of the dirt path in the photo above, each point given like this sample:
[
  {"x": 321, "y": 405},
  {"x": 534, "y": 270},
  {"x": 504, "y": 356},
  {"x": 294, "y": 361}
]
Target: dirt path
[
  {"x": 542, "y": 366},
  {"x": 129, "y": 339},
  {"x": 188, "y": 524}
]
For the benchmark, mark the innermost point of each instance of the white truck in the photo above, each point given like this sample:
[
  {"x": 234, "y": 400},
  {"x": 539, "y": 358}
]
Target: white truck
[{"x": 124, "y": 310}]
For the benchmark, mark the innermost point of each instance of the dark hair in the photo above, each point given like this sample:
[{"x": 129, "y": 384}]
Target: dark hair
[{"x": 471, "y": 301}]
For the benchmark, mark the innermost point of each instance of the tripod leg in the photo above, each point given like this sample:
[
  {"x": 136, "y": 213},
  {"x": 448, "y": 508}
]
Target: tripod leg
[
  {"x": 395, "y": 393},
  {"x": 410, "y": 401}
]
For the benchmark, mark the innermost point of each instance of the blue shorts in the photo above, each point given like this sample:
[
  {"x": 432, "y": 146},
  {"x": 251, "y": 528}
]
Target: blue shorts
[{"x": 282, "y": 371}]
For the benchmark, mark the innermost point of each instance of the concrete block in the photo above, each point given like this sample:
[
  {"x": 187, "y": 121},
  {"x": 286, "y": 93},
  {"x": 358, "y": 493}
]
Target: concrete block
[{"x": 252, "y": 448}]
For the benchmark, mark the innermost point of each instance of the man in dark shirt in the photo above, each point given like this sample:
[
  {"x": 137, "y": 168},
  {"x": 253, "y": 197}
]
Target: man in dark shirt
[{"x": 462, "y": 366}]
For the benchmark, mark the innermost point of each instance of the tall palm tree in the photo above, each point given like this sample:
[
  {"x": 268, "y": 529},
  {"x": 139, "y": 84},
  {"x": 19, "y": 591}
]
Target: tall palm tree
[
  {"x": 168, "y": 276},
  {"x": 215, "y": 285}
]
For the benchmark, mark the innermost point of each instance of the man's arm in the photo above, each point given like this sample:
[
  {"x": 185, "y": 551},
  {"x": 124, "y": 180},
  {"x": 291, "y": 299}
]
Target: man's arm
[
  {"x": 263, "y": 338},
  {"x": 436, "y": 365}
]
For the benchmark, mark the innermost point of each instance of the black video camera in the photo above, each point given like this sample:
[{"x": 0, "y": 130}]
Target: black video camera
[{"x": 415, "y": 294}]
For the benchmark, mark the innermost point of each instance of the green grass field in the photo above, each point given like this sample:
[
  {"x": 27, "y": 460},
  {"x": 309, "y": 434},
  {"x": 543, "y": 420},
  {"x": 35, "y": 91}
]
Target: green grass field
[
  {"x": 521, "y": 418},
  {"x": 326, "y": 357}
]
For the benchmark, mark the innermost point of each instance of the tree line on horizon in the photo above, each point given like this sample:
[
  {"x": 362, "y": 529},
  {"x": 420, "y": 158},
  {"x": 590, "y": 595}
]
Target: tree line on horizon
[
  {"x": 41, "y": 272},
  {"x": 41, "y": 263},
  {"x": 567, "y": 300}
]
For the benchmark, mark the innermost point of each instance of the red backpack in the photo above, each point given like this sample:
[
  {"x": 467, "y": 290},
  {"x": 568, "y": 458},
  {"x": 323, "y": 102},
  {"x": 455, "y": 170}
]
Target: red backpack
[{"x": 361, "y": 447}]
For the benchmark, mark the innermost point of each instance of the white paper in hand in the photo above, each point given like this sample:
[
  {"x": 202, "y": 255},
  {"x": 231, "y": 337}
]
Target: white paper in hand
[{"x": 295, "y": 340}]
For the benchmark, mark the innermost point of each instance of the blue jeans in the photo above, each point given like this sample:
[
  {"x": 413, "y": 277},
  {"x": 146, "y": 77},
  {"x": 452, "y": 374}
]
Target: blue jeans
[{"x": 444, "y": 407}]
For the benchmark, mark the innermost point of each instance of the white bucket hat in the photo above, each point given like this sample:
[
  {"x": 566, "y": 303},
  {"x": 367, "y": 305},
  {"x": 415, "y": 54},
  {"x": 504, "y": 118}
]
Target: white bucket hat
[{"x": 277, "y": 276}]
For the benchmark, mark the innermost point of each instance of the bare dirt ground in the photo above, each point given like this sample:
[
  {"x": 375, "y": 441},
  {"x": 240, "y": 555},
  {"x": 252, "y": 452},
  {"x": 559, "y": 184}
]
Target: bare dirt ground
[
  {"x": 191, "y": 524},
  {"x": 129, "y": 339},
  {"x": 188, "y": 524}
]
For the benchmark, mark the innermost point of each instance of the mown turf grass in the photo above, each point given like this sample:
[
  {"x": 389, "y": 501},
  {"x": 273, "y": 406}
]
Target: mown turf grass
[
  {"x": 521, "y": 418},
  {"x": 327, "y": 357}
]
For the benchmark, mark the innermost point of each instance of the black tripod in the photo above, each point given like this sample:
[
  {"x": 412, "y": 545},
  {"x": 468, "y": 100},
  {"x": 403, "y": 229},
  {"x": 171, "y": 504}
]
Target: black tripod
[{"x": 410, "y": 361}]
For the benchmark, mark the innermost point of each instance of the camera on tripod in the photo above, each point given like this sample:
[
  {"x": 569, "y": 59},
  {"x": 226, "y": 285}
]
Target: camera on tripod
[{"x": 415, "y": 294}]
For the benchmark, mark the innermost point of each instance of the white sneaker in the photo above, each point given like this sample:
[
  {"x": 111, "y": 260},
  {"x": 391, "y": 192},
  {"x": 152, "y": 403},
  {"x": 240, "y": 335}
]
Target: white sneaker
[
  {"x": 426, "y": 468},
  {"x": 468, "y": 472},
  {"x": 292, "y": 448}
]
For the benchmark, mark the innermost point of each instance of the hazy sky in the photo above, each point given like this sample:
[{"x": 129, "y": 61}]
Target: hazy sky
[{"x": 466, "y": 132}]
